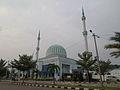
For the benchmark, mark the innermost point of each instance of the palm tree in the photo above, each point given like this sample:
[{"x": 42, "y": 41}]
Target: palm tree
[
  {"x": 52, "y": 68},
  {"x": 116, "y": 45},
  {"x": 24, "y": 64},
  {"x": 86, "y": 63},
  {"x": 36, "y": 74},
  {"x": 3, "y": 68}
]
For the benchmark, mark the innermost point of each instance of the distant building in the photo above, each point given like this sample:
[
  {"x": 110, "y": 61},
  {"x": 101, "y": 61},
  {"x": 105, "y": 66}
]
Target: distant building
[
  {"x": 115, "y": 72},
  {"x": 56, "y": 54}
]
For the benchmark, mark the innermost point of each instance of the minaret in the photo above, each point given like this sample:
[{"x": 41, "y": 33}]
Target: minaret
[
  {"x": 37, "y": 49},
  {"x": 85, "y": 31}
]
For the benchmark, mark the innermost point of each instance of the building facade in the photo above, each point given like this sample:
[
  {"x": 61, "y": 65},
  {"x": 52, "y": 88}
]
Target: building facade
[{"x": 57, "y": 55}]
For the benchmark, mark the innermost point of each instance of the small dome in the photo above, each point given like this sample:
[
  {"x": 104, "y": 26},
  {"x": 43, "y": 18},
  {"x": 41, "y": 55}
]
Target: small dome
[{"x": 56, "y": 50}]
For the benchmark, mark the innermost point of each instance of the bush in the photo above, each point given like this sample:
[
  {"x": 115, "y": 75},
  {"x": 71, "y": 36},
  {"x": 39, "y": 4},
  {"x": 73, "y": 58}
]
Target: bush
[
  {"x": 39, "y": 79},
  {"x": 44, "y": 79},
  {"x": 95, "y": 80},
  {"x": 65, "y": 79},
  {"x": 77, "y": 77}
]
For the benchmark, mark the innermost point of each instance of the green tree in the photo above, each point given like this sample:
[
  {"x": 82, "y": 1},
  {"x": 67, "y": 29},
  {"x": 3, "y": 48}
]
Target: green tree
[
  {"x": 114, "y": 66},
  {"x": 77, "y": 75},
  {"x": 36, "y": 73},
  {"x": 86, "y": 63},
  {"x": 54, "y": 69},
  {"x": 115, "y": 45},
  {"x": 3, "y": 68},
  {"x": 24, "y": 64},
  {"x": 105, "y": 66}
]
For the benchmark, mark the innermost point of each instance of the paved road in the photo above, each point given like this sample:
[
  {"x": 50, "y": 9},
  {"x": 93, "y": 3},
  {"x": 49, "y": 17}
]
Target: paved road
[{"x": 8, "y": 86}]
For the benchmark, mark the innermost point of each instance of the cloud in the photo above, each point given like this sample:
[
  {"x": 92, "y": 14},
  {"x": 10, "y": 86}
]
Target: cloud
[{"x": 59, "y": 22}]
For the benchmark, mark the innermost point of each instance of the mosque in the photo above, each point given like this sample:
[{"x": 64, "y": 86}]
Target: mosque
[{"x": 57, "y": 55}]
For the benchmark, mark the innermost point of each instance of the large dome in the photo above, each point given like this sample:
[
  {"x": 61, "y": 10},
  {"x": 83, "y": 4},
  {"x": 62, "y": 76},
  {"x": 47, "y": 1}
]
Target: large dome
[{"x": 56, "y": 50}]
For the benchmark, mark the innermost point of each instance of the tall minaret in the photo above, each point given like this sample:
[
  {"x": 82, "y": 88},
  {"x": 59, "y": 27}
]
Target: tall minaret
[
  {"x": 85, "y": 31},
  {"x": 37, "y": 49}
]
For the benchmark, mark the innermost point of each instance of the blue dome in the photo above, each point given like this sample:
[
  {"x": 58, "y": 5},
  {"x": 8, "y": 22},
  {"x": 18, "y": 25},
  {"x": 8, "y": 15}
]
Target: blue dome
[{"x": 56, "y": 50}]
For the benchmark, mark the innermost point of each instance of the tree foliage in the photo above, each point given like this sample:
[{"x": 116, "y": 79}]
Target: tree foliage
[
  {"x": 77, "y": 76},
  {"x": 114, "y": 66},
  {"x": 3, "y": 68},
  {"x": 115, "y": 45},
  {"x": 53, "y": 68},
  {"x": 36, "y": 73},
  {"x": 24, "y": 64},
  {"x": 86, "y": 62},
  {"x": 105, "y": 66}
]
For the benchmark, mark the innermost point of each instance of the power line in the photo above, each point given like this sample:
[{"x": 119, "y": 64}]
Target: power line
[
  {"x": 104, "y": 38},
  {"x": 72, "y": 45},
  {"x": 106, "y": 35},
  {"x": 101, "y": 37}
]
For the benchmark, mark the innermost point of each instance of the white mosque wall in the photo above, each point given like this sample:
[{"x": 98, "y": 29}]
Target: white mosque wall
[{"x": 66, "y": 65}]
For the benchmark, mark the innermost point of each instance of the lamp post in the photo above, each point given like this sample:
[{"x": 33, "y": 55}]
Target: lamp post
[{"x": 97, "y": 55}]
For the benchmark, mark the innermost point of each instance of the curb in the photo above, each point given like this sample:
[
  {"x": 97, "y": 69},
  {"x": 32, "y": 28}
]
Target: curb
[{"x": 50, "y": 86}]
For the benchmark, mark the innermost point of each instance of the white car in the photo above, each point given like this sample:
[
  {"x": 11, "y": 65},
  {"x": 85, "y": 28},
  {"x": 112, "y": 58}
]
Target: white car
[{"x": 112, "y": 78}]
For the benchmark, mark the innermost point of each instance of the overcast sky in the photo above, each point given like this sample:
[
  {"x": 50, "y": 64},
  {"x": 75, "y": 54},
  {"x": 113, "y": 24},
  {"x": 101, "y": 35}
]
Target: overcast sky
[{"x": 60, "y": 23}]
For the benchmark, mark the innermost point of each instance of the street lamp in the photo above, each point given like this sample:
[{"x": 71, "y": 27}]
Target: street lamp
[{"x": 97, "y": 55}]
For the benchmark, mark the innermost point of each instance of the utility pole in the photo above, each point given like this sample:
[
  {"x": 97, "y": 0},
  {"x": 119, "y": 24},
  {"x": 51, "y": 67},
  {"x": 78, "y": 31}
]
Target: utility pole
[{"x": 97, "y": 55}]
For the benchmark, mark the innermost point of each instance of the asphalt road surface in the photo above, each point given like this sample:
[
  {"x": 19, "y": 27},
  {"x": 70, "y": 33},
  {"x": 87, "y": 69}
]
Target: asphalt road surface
[{"x": 9, "y": 86}]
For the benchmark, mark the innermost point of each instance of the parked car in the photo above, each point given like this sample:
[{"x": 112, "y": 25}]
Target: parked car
[{"x": 112, "y": 78}]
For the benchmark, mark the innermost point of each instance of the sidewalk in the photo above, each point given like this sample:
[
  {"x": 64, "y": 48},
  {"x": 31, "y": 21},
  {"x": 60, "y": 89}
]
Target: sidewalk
[{"x": 112, "y": 84}]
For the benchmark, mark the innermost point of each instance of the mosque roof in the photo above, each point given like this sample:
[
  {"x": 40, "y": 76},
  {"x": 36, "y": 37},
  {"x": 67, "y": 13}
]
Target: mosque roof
[{"x": 56, "y": 50}]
